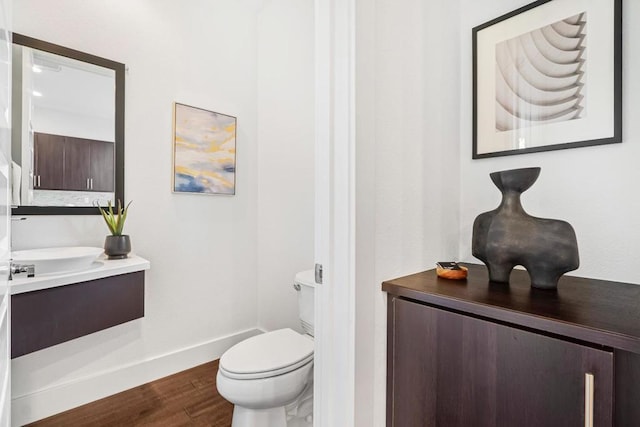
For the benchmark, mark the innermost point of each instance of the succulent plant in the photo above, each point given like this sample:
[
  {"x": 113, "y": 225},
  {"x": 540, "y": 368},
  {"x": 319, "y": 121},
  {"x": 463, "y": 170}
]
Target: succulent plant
[{"x": 115, "y": 220}]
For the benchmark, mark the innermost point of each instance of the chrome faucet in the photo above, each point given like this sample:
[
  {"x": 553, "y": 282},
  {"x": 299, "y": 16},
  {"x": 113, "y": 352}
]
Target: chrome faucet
[{"x": 30, "y": 269}]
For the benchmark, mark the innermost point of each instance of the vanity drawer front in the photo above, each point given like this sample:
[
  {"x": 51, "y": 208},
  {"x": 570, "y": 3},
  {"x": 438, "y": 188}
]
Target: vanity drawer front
[
  {"x": 449, "y": 369},
  {"x": 47, "y": 317}
]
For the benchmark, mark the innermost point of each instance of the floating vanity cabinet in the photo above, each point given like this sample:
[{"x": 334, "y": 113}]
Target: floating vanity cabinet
[
  {"x": 471, "y": 353},
  {"x": 74, "y": 164},
  {"x": 46, "y": 317}
]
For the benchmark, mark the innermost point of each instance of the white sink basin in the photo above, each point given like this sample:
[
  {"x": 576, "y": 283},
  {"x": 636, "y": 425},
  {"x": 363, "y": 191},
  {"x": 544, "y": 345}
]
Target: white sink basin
[{"x": 57, "y": 260}]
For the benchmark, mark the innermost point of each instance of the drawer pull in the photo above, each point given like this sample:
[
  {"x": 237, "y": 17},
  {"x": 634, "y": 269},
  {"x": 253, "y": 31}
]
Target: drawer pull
[{"x": 588, "y": 400}]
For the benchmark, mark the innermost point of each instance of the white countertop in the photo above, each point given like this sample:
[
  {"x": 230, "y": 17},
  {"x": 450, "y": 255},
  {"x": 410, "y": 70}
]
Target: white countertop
[{"x": 102, "y": 267}]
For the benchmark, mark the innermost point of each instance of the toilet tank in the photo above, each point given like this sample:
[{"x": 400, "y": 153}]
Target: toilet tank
[{"x": 305, "y": 285}]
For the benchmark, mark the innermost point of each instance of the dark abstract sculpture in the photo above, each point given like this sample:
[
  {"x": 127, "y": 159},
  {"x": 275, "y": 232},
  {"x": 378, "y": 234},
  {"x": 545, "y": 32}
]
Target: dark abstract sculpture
[{"x": 508, "y": 236}]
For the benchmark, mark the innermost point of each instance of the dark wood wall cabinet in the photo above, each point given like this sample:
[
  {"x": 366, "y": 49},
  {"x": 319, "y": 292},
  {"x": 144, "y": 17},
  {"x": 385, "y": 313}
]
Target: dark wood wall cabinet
[
  {"x": 46, "y": 317},
  {"x": 475, "y": 353},
  {"x": 73, "y": 164}
]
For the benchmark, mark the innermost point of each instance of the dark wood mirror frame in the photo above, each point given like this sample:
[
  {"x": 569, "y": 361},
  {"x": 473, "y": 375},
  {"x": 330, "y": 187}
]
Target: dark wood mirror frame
[{"x": 119, "y": 123}]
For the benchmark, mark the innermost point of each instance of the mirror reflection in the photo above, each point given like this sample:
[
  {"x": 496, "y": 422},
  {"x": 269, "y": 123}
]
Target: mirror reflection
[
  {"x": 67, "y": 141},
  {"x": 64, "y": 130}
]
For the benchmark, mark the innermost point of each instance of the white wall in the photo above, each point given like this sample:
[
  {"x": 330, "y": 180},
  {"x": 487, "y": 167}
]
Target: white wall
[
  {"x": 286, "y": 153},
  {"x": 594, "y": 188},
  {"x": 59, "y": 122},
  {"x": 407, "y": 191},
  {"x": 203, "y": 279}
]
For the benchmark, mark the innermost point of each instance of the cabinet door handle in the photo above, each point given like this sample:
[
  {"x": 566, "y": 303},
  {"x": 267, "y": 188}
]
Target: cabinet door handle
[
  {"x": 35, "y": 183},
  {"x": 589, "y": 386},
  {"x": 87, "y": 183},
  {"x": 38, "y": 180},
  {"x": 91, "y": 181}
]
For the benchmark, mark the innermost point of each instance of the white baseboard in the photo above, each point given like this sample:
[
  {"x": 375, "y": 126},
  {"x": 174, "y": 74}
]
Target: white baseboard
[{"x": 61, "y": 397}]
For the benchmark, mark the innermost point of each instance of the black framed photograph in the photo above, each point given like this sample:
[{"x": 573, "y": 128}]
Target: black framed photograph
[{"x": 548, "y": 76}]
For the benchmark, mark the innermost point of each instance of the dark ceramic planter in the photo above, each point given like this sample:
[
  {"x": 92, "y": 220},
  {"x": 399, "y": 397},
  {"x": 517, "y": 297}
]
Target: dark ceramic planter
[{"x": 117, "y": 247}]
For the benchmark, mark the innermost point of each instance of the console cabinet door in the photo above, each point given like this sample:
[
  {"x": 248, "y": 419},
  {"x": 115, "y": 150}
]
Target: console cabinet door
[{"x": 447, "y": 369}]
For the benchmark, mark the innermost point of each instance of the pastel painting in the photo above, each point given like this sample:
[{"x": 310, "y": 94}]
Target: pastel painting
[{"x": 204, "y": 146}]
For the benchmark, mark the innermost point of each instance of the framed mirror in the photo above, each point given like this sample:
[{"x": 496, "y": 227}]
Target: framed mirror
[{"x": 67, "y": 141}]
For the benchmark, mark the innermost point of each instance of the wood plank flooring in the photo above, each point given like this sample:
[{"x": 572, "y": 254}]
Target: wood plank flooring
[{"x": 188, "y": 398}]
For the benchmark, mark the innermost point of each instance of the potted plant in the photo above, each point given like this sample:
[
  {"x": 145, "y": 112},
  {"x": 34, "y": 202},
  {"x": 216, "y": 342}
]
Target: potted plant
[{"x": 118, "y": 245}]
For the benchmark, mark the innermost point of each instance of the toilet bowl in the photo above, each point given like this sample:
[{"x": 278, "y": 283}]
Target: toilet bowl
[{"x": 269, "y": 377}]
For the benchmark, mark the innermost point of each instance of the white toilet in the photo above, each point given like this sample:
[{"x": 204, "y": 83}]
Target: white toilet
[{"x": 269, "y": 377}]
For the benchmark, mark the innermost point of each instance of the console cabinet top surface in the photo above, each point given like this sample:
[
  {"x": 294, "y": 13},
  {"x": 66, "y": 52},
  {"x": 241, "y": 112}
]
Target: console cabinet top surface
[{"x": 596, "y": 311}]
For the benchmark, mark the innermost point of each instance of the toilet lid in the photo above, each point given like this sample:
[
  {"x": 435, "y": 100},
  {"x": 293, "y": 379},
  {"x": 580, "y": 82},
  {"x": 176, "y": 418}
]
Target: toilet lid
[{"x": 268, "y": 354}]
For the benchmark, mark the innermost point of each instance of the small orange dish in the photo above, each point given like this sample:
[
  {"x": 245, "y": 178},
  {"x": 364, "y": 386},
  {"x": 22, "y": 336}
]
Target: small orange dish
[{"x": 458, "y": 273}]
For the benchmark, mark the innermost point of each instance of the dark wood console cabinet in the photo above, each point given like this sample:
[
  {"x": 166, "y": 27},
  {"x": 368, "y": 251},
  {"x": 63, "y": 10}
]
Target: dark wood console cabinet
[{"x": 474, "y": 353}]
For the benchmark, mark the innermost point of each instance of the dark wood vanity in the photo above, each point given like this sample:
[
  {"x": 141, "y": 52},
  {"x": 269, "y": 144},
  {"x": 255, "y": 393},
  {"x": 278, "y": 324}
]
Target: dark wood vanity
[
  {"x": 474, "y": 353},
  {"x": 46, "y": 317}
]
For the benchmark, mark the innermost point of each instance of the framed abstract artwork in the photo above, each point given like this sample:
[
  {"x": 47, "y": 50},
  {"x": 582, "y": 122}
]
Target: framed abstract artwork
[
  {"x": 204, "y": 151},
  {"x": 548, "y": 76}
]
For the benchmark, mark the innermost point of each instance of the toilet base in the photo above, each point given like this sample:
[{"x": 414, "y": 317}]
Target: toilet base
[
  {"x": 274, "y": 417},
  {"x": 244, "y": 417},
  {"x": 297, "y": 414},
  {"x": 300, "y": 412}
]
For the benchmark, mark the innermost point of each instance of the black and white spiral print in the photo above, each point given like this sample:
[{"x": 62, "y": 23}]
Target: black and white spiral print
[{"x": 540, "y": 75}]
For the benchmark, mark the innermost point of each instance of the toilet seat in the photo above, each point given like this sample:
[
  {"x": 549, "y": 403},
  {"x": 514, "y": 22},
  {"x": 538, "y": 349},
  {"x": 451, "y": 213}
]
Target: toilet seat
[{"x": 267, "y": 355}]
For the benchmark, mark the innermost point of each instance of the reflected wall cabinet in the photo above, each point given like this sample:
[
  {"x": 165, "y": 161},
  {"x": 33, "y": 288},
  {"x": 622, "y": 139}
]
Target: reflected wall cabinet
[
  {"x": 73, "y": 164},
  {"x": 473, "y": 353},
  {"x": 49, "y": 161}
]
